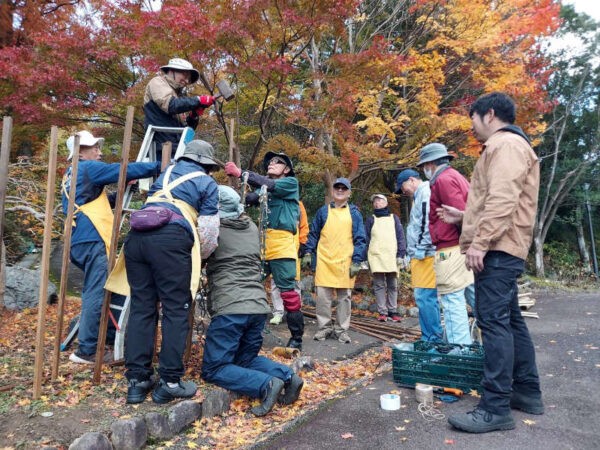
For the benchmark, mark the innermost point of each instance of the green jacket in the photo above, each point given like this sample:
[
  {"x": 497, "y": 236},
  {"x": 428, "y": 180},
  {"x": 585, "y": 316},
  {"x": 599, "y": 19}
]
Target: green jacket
[{"x": 233, "y": 271}]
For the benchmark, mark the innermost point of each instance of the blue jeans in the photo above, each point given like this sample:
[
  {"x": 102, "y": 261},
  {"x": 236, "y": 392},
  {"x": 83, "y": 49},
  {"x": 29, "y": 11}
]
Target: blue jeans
[
  {"x": 509, "y": 352},
  {"x": 456, "y": 320},
  {"x": 429, "y": 314},
  {"x": 231, "y": 355},
  {"x": 91, "y": 258}
]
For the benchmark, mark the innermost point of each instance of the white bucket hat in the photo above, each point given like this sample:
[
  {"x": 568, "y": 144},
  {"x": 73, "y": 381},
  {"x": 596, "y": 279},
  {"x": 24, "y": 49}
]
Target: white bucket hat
[
  {"x": 182, "y": 64},
  {"x": 86, "y": 139}
]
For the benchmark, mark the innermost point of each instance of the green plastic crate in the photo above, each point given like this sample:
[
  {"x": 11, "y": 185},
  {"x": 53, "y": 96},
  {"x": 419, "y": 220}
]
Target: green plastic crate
[{"x": 430, "y": 363}]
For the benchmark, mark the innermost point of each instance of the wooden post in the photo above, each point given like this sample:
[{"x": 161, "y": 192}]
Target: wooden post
[
  {"x": 39, "y": 347},
  {"x": 232, "y": 180},
  {"x": 64, "y": 271},
  {"x": 4, "y": 160},
  {"x": 112, "y": 254}
]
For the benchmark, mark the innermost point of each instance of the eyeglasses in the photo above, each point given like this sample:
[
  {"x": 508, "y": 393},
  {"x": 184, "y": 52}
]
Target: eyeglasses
[
  {"x": 340, "y": 187},
  {"x": 277, "y": 161}
]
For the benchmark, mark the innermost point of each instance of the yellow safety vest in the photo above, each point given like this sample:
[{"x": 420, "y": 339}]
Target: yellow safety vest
[
  {"x": 334, "y": 252},
  {"x": 383, "y": 245},
  {"x": 422, "y": 273}
]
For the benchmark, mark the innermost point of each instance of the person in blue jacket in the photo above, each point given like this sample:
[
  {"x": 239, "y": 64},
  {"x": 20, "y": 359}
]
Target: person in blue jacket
[
  {"x": 337, "y": 241},
  {"x": 92, "y": 230}
]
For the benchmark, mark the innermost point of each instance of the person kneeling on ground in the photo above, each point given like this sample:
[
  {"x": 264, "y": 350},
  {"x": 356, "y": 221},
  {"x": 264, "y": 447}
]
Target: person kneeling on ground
[{"x": 238, "y": 306}]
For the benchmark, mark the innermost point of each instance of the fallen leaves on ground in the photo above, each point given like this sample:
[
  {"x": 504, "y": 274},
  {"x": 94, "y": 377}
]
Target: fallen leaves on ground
[{"x": 73, "y": 386}]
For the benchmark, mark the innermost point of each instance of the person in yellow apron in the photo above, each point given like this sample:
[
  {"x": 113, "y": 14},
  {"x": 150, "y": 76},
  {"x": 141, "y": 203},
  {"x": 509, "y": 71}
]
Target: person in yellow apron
[
  {"x": 386, "y": 252},
  {"x": 337, "y": 240},
  {"x": 302, "y": 237},
  {"x": 92, "y": 229},
  {"x": 421, "y": 252},
  {"x": 281, "y": 252},
  {"x": 163, "y": 264}
]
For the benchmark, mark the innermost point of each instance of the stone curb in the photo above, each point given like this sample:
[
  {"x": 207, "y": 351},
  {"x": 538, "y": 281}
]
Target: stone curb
[{"x": 133, "y": 433}]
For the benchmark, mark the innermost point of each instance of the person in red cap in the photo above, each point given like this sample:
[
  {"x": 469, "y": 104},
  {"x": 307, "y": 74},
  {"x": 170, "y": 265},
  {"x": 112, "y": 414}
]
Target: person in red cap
[
  {"x": 166, "y": 103},
  {"x": 281, "y": 250}
]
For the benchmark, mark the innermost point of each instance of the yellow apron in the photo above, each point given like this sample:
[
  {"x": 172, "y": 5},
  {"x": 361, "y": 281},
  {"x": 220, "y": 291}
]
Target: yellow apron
[
  {"x": 422, "y": 273},
  {"x": 297, "y": 241},
  {"x": 280, "y": 244},
  {"x": 383, "y": 246},
  {"x": 334, "y": 252},
  {"x": 117, "y": 280},
  {"x": 99, "y": 212}
]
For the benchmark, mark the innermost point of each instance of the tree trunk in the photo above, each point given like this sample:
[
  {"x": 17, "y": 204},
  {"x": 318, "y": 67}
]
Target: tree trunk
[
  {"x": 538, "y": 245},
  {"x": 2, "y": 274},
  {"x": 583, "y": 251}
]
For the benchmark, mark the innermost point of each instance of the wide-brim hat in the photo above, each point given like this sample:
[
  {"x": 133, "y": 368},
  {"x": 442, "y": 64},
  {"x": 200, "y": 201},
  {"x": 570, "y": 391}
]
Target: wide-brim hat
[
  {"x": 288, "y": 162},
  {"x": 201, "y": 152},
  {"x": 182, "y": 64},
  {"x": 86, "y": 139},
  {"x": 381, "y": 196},
  {"x": 433, "y": 152}
]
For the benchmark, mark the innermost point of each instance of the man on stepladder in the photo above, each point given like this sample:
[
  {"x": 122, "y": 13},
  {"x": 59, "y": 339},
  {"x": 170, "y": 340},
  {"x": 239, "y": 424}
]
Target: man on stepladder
[
  {"x": 167, "y": 105},
  {"x": 92, "y": 230},
  {"x": 281, "y": 234},
  {"x": 497, "y": 228}
]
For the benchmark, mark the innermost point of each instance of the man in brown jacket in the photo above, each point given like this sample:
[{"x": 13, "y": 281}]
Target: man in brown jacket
[{"x": 496, "y": 234}]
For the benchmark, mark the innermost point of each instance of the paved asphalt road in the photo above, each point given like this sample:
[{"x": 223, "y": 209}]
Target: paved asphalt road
[{"x": 567, "y": 340}]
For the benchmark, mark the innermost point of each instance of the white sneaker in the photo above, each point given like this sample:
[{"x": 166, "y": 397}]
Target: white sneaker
[{"x": 276, "y": 320}]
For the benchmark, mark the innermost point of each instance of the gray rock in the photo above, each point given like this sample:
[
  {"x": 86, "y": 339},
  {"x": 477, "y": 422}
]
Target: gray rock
[
  {"x": 307, "y": 299},
  {"x": 129, "y": 434},
  {"x": 373, "y": 307},
  {"x": 158, "y": 426},
  {"x": 23, "y": 288},
  {"x": 413, "y": 312},
  {"x": 217, "y": 402},
  {"x": 183, "y": 414},
  {"x": 402, "y": 311},
  {"x": 91, "y": 441}
]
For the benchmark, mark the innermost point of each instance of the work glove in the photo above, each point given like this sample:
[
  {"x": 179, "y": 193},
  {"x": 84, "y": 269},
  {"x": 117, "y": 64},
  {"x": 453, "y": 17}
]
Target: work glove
[
  {"x": 354, "y": 269},
  {"x": 206, "y": 100},
  {"x": 232, "y": 169},
  {"x": 419, "y": 254},
  {"x": 403, "y": 263},
  {"x": 307, "y": 260},
  {"x": 302, "y": 250}
]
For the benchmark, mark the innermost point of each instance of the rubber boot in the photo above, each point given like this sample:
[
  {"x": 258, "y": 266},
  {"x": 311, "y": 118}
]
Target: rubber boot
[{"x": 295, "y": 321}]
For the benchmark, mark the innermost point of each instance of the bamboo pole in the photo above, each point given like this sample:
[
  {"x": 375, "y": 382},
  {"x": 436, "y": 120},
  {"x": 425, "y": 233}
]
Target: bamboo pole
[
  {"x": 64, "y": 271},
  {"x": 232, "y": 180},
  {"x": 112, "y": 254},
  {"x": 4, "y": 161},
  {"x": 39, "y": 347}
]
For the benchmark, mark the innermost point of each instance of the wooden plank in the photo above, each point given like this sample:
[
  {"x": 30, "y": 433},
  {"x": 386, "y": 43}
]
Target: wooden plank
[
  {"x": 533, "y": 315},
  {"x": 50, "y": 190}
]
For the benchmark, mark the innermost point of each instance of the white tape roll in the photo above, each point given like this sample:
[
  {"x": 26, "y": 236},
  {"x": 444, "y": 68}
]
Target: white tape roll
[
  {"x": 390, "y": 402},
  {"x": 424, "y": 393}
]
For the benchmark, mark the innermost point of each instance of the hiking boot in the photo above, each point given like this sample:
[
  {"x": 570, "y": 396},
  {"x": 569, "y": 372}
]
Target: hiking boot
[
  {"x": 292, "y": 391},
  {"x": 295, "y": 343},
  {"x": 382, "y": 318},
  {"x": 395, "y": 318},
  {"x": 344, "y": 338},
  {"x": 165, "y": 393},
  {"x": 138, "y": 390},
  {"x": 527, "y": 404},
  {"x": 481, "y": 421},
  {"x": 321, "y": 335},
  {"x": 277, "y": 318},
  {"x": 80, "y": 358},
  {"x": 274, "y": 388}
]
